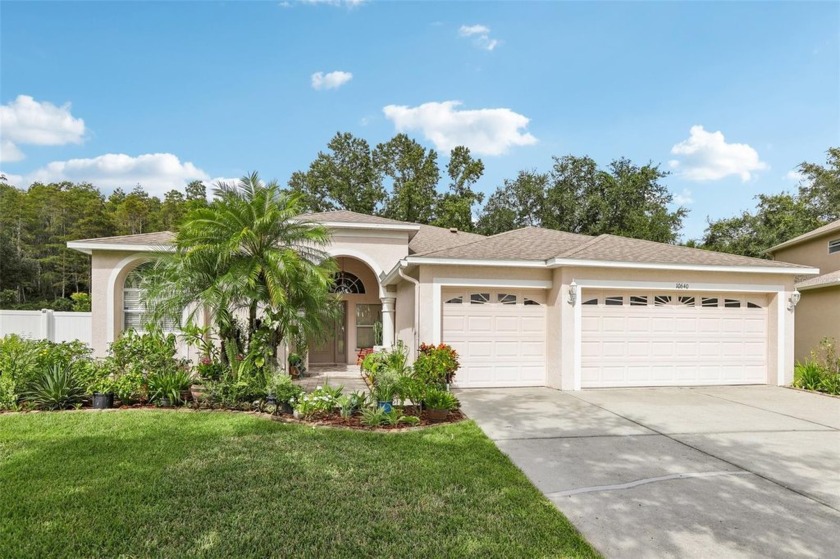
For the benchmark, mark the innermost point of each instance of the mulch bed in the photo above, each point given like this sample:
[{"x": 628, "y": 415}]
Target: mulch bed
[{"x": 355, "y": 422}]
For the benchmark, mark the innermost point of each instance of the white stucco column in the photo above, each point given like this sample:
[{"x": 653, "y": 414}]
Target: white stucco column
[{"x": 388, "y": 321}]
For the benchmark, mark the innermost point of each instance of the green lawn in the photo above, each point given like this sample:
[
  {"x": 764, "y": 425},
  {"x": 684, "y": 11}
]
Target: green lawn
[{"x": 215, "y": 484}]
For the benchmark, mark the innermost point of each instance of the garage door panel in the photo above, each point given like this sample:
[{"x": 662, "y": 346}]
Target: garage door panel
[
  {"x": 498, "y": 345},
  {"x": 673, "y": 344}
]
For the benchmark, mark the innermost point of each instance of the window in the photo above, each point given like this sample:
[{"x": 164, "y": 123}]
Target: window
[
  {"x": 591, "y": 301},
  {"x": 134, "y": 312},
  {"x": 834, "y": 246},
  {"x": 661, "y": 300},
  {"x": 638, "y": 301},
  {"x": 456, "y": 300},
  {"x": 506, "y": 298},
  {"x": 367, "y": 317},
  {"x": 751, "y": 305},
  {"x": 479, "y": 298},
  {"x": 710, "y": 301},
  {"x": 529, "y": 302},
  {"x": 732, "y": 303},
  {"x": 686, "y": 301},
  {"x": 614, "y": 301},
  {"x": 345, "y": 282}
]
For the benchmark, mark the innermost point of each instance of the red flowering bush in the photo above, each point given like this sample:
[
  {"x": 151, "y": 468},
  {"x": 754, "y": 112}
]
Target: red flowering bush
[{"x": 436, "y": 364}]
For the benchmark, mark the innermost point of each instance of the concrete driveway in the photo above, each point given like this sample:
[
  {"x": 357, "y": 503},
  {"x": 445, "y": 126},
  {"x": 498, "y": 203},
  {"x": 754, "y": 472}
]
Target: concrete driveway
[{"x": 679, "y": 472}]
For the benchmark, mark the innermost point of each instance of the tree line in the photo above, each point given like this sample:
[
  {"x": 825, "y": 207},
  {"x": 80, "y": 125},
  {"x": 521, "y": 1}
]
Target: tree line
[{"x": 400, "y": 179}]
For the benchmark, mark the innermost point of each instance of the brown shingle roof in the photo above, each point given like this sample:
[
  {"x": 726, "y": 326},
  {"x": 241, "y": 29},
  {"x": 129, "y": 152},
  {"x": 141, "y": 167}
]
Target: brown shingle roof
[
  {"x": 825, "y": 280},
  {"x": 530, "y": 243},
  {"x": 435, "y": 238},
  {"x": 825, "y": 229},
  {"x": 346, "y": 216},
  {"x": 623, "y": 249},
  {"x": 534, "y": 243},
  {"x": 158, "y": 238}
]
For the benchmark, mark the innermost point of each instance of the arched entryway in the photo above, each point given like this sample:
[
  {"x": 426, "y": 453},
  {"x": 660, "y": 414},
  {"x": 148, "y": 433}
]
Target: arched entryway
[{"x": 360, "y": 323}]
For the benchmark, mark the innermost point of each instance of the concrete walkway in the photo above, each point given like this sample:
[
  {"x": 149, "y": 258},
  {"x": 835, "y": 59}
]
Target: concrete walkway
[
  {"x": 718, "y": 472},
  {"x": 348, "y": 376}
]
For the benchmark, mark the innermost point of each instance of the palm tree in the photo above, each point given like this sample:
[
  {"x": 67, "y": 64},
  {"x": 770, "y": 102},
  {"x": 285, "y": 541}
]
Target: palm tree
[{"x": 247, "y": 254}]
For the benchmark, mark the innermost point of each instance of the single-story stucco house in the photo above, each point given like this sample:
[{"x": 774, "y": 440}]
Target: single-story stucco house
[
  {"x": 818, "y": 313},
  {"x": 529, "y": 307}
]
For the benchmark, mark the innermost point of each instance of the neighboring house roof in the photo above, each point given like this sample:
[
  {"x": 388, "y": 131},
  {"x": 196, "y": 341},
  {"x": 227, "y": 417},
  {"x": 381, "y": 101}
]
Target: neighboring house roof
[
  {"x": 825, "y": 280},
  {"x": 536, "y": 244},
  {"x": 142, "y": 241},
  {"x": 818, "y": 232}
]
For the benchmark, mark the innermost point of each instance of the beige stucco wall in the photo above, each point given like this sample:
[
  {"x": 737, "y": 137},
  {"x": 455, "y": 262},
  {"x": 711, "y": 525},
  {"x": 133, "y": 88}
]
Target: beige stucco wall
[
  {"x": 108, "y": 272},
  {"x": 404, "y": 319},
  {"x": 817, "y": 317},
  {"x": 379, "y": 250},
  {"x": 813, "y": 252}
]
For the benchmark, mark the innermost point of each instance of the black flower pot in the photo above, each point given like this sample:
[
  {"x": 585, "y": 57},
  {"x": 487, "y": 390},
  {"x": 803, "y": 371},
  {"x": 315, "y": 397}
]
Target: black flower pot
[
  {"x": 103, "y": 401},
  {"x": 286, "y": 407},
  {"x": 271, "y": 400},
  {"x": 165, "y": 402}
]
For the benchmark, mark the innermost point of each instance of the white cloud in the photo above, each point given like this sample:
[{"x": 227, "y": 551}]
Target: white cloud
[
  {"x": 706, "y": 156},
  {"x": 157, "y": 173},
  {"x": 9, "y": 152},
  {"x": 484, "y": 131},
  {"x": 480, "y": 35},
  {"x": 684, "y": 198},
  {"x": 331, "y": 80},
  {"x": 27, "y": 121}
]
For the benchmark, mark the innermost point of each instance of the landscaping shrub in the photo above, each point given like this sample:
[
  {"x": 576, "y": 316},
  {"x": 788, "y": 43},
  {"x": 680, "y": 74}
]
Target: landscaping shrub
[
  {"x": 23, "y": 362},
  {"x": 821, "y": 371},
  {"x": 321, "y": 401},
  {"x": 54, "y": 388},
  {"x": 435, "y": 399},
  {"x": 281, "y": 386},
  {"x": 436, "y": 364},
  {"x": 168, "y": 384}
]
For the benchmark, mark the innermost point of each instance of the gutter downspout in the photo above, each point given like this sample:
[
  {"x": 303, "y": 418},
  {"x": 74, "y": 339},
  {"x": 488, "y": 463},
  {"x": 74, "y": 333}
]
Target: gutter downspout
[{"x": 416, "y": 305}]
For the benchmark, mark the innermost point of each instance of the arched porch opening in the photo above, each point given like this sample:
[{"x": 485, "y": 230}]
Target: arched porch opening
[{"x": 362, "y": 321}]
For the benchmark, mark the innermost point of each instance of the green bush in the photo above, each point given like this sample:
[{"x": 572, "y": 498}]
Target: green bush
[
  {"x": 281, "y": 386},
  {"x": 436, "y": 399},
  {"x": 24, "y": 361},
  {"x": 436, "y": 364},
  {"x": 821, "y": 371},
  {"x": 168, "y": 384},
  {"x": 55, "y": 388},
  {"x": 373, "y": 416}
]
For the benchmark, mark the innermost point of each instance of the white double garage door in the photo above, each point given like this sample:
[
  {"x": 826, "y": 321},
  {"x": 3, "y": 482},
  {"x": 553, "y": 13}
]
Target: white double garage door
[{"x": 626, "y": 339}]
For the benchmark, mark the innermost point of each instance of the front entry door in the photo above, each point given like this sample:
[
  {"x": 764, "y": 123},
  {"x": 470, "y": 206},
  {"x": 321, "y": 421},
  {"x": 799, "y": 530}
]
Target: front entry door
[{"x": 334, "y": 349}]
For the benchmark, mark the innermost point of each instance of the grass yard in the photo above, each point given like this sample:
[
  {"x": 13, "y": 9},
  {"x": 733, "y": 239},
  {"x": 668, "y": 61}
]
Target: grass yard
[{"x": 216, "y": 484}]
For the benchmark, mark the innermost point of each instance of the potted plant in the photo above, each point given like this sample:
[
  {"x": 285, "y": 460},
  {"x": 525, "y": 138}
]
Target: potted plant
[
  {"x": 439, "y": 403},
  {"x": 103, "y": 394},
  {"x": 295, "y": 365},
  {"x": 385, "y": 388}
]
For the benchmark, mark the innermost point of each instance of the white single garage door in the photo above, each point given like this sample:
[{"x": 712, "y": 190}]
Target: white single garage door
[
  {"x": 672, "y": 339},
  {"x": 498, "y": 334}
]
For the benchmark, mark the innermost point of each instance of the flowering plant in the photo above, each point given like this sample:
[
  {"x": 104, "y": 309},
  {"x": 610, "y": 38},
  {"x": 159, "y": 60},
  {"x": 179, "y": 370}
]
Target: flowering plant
[{"x": 436, "y": 364}]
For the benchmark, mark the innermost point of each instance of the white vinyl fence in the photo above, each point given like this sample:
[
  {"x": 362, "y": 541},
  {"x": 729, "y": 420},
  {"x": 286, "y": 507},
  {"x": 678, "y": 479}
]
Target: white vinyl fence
[{"x": 47, "y": 325}]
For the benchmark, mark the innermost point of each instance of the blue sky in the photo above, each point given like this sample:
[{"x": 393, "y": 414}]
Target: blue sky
[{"x": 729, "y": 96}]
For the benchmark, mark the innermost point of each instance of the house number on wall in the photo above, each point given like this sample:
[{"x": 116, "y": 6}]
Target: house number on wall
[{"x": 682, "y": 285}]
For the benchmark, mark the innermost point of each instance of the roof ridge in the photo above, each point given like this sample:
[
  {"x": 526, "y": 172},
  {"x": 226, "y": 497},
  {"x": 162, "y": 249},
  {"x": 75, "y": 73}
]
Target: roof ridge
[
  {"x": 482, "y": 239},
  {"x": 587, "y": 244}
]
